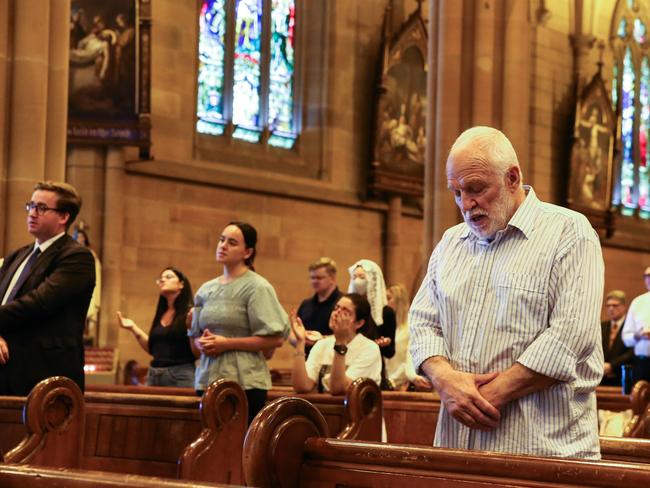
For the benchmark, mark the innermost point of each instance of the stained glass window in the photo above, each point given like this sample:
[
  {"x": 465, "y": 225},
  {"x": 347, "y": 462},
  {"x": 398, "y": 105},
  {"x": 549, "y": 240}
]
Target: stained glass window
[
  {"x": 631, "y": 100},
  {"x": 627, "y": 134},
  {"x": 644, "y": 132},
  {"x": 210, "y": 97},
  {"x": 261, "y": 64}
]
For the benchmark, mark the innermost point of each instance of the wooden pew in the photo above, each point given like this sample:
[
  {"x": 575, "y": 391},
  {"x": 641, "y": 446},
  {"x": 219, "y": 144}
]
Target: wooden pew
[
  {"x": 138, "y": 434},
  {"x": 147, "y": 434},
  {"x": 287, "y": 446},
  {"x": 343, "y": 417},
  {"x": 14, "y": 476}
]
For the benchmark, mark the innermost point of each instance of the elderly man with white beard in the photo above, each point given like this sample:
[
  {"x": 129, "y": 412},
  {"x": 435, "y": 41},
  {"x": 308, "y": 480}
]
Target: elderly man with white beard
[{"x": 506, "y": 322}]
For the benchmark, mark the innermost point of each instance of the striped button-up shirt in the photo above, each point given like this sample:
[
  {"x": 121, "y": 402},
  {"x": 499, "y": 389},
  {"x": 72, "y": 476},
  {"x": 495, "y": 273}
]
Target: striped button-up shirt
[{"x": 532, "y": 295}]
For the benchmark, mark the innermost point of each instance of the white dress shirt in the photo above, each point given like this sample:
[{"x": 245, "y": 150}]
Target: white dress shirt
[
  {"x": 637, "y": 320},
  {"x": 18, "y": 272}
]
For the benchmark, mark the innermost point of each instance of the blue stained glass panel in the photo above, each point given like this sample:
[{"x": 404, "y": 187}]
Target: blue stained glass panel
[
  {"x": 644, "y": 132},
  {"x": 622, "y": 28},
  {"x": 247, "y": 72},
  {"x": 627, "y": 135},
  {"x": 212, "y": 29},
  {"x": 281, "y": 83},
  {"x": 640, "y": 31},
  {"x": 614, "y": 86}
]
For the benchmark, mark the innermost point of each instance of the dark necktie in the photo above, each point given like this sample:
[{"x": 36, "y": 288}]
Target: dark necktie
[
  {"x": 24, "y": 274},
  {"x": 612, "y": 334}
]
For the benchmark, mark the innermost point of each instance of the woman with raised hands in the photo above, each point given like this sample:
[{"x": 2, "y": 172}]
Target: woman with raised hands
[
  {"x": 337, "y": 360},
  {"x": 173, "y": 357}
]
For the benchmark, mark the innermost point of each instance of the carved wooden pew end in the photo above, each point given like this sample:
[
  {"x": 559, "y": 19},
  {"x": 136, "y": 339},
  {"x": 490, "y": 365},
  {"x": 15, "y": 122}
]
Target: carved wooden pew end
[
  {"x": 216, "y": 454},
  {"x": 54, "y": 419}
]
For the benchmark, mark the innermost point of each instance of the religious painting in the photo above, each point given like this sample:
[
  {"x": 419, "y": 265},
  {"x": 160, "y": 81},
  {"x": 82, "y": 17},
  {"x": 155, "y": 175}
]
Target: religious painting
[
  {"x": 108, "y": 83},
  {"x": 400, "y": 129},
  {"x": 590, "y": 182}
]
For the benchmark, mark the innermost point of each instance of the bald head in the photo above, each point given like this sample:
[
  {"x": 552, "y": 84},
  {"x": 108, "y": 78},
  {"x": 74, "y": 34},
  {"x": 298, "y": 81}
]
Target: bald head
[
  {"x": 484, "y": 175},
  {"x": 487, "y": 147}
]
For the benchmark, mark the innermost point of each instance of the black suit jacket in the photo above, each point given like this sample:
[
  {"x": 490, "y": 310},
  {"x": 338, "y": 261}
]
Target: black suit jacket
[
  {"x": 617, "y": 355},
  {"x": 44, "y": 324}
]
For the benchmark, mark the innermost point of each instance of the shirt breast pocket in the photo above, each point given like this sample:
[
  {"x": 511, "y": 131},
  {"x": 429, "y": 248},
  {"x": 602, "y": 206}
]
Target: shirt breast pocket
[{"x": 521, "y": 303}]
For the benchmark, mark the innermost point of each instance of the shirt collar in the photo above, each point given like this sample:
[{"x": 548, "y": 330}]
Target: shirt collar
[
  {"x": 523, "y": 219},
  {"x": 43, "y": 246}
]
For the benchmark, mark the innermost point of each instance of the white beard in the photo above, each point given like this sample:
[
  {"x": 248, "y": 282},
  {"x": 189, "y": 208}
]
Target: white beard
[{"x": 498, "y": 216}]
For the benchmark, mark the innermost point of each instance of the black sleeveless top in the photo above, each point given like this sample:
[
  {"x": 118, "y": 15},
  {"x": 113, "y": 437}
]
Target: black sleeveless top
[{"x": 170, "y": 345}]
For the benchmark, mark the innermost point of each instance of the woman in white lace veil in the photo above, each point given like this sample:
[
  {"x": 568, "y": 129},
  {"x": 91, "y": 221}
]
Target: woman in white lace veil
[{"x": 367, "y": 279}]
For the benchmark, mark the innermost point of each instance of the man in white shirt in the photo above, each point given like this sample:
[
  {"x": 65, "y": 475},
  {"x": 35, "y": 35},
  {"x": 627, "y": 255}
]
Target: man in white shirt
[
  {"x": 506, "y": 322},
  {"x": 636, "y": 331}
]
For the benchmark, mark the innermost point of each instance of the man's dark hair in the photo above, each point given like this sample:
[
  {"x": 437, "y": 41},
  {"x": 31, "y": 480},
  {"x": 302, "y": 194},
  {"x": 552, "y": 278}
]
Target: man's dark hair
[{"x": 68, "y": 201}]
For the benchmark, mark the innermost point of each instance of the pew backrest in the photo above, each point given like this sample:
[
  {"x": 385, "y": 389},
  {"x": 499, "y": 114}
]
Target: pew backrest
[{"x": 287, "y": 446}]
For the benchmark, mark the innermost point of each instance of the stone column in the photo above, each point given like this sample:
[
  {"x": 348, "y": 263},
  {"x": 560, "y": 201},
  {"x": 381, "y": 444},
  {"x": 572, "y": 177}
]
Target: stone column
[
  {"x": 393, "y": 232},
  {"x": 27, "y": 112},
  {"x": 36, "y": 107},
  {"x": 57, "y": 91},
  {"x": 516, "y": 79},
  {"x": 430, "y": 149},
  {"x": 5, "y": 69},
  {"x": 448, "y": 106},
  {"x": 485, "y": 65},
  {"x": 112, "y": 246}
]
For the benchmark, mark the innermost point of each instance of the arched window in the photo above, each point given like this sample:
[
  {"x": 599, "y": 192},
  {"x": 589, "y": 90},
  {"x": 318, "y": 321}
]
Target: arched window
[
  {"x": 246, "y": 73},
  {"x": 631, "y": 99}
]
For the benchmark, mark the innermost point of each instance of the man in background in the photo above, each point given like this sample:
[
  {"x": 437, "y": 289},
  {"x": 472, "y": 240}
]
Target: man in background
[
  {"x": 315, "y": 311},
  {"x": 616, "y": 353}
]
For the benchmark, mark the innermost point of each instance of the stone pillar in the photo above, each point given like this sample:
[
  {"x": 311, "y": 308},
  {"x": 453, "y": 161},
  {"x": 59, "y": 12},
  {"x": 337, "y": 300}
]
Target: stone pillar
[
  {"x": 36, "y": 107},
  {"x": 27, "y": 113},
  {"x": 85, "y": 170},
  {"x": 112, "y": 246},
  {"x": 393, "y": 233},
  {"x": 430, "y": 149},
  {"x": 57, "y": 91},
  {"x": 516, "y": 75},
  {"x": 448, "y": 107},
  {"x": 485, "y": 65},
  {"x": 5, "y": 69}
]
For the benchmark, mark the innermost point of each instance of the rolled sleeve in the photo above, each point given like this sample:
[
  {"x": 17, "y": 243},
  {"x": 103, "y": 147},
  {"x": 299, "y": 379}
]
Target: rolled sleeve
[
  {"x": 575, "y": 296},
  {"x": 424, "y": 322},
  {"x": 266, "y": 315}
]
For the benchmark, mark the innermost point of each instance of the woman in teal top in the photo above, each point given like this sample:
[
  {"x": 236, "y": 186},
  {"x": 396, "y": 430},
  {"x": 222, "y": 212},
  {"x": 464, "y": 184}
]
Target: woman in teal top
[{"x": 237, "y": 320}]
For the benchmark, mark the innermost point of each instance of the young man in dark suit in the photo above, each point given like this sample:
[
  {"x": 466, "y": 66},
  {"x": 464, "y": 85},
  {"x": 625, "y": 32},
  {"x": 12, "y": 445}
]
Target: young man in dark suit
[
  {"x": 45, "y": 289},
  {"x": 615, "y": 352}
]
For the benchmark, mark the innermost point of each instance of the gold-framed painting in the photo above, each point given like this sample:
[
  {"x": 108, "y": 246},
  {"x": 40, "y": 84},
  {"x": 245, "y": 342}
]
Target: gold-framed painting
[
  {"x": 594, "y": 134},
  {"x": 398, "y": 153},
  {"x": 109, "y": 72}
]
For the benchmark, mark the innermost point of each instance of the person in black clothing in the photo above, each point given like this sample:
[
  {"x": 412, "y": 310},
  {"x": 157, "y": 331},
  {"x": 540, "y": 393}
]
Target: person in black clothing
[
  {"x": 367, "y": 279},
  {"x": 167, "y": 341},
  {"x": 315, "y": 312},
  {"x": 614, "y": 351}
]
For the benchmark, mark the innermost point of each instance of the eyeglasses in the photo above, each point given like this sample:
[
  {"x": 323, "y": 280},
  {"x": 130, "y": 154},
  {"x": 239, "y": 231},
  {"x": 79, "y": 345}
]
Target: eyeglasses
[
  {"x": 40, "y": 208},
  {"x": 166, "y": 277}
]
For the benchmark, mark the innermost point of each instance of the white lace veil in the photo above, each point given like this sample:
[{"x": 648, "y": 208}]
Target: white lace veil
[{"x": 376, "y": 292}]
